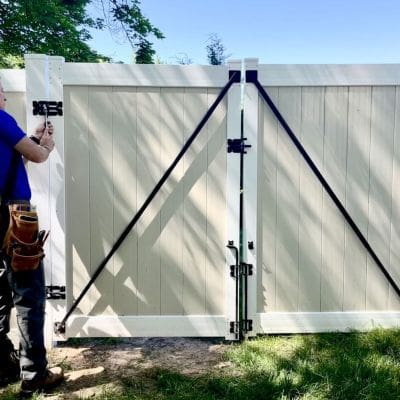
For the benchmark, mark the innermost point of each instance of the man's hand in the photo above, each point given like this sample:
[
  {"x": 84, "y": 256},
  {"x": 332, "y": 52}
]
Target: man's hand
[
  {"x": 47, "y": 140},
  {"x": 39, "y": 131}
]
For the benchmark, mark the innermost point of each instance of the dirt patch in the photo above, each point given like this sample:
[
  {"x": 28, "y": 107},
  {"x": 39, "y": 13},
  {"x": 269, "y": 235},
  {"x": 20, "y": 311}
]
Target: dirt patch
[{"x": 93, "y": 366}]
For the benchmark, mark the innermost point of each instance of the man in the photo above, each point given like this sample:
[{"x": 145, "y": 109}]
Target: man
[{"x": 23, "y": 289}]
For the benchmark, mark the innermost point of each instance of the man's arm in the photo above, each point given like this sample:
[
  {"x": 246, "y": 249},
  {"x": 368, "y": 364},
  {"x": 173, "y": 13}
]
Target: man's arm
[{"x": 37, "y": 153}]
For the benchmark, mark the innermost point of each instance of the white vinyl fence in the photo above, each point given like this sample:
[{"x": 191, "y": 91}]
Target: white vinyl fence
[{"x": 123, "y": 125}]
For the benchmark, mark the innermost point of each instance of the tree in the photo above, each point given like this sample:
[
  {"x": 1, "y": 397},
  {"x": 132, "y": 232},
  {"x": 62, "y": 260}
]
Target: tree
[
  {"x": 60, "y": 27},
  {"x": 183, "y": 59},
  {"x": 216, "y": 50},
  {"x": 124, "y": 18},
  {"x": 144, "y": 53}
]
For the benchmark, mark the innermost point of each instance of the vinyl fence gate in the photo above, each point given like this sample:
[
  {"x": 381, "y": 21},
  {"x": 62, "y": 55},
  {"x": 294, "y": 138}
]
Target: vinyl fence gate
[{"x": 242, "y": 238}]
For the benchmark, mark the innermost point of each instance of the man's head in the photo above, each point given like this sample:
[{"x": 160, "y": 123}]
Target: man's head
[{"x": 2, "y": 98}]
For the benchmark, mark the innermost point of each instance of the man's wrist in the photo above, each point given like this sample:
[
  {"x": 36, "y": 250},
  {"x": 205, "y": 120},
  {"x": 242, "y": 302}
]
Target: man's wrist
[
  {"x": 46, "y": 147},
  {"x": 35, "y": 139}
]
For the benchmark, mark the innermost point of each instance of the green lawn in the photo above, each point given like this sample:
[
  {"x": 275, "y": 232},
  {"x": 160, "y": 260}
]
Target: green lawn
[{"x": 323, "y": 366}]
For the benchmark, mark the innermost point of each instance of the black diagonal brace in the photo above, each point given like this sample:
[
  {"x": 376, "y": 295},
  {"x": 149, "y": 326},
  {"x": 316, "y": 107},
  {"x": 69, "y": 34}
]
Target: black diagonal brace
[
  {"x": 251, "y": 76},
  {"x": 234, "y": 77}
]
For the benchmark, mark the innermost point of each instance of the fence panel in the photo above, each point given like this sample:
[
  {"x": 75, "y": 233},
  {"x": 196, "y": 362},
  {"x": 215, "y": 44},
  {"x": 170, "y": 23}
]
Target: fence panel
[{"x": 315, "y": 272}]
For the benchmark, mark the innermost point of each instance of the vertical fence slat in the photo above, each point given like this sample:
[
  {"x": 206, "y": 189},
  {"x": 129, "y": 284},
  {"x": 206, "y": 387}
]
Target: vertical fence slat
[
  {"x": 335, "y": 150},
  {"x": 380, "y": 193},
  {"x": 195, "y": 205},
  {"x": 148, "y": 174},
  {"x": 171, "y": 238},
  {"x": 287, "y": 255},
  {"x": 124, "y": 198},
  {"x": 310, "y": 228},
  {"x": 101, "y": 195},
  {"x": 215, "y": 208},
  {"x": 77, "y": 191},
  {"x": 267, "y": 291},
  {"x": 357, "y": 185}
]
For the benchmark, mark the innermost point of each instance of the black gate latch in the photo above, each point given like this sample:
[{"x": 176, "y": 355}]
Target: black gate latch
[
  {"x": 237, "y": 146},
  {"x": 49, "y": 108}
]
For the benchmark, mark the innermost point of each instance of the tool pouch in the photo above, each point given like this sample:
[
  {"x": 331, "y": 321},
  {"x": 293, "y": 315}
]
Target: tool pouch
[{"x": 23, "y": 242}]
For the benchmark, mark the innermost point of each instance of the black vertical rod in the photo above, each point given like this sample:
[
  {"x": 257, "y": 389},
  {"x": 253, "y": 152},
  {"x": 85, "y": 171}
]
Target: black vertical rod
[
  {"x": 326, "y": 186},
  {"x": 235, "y": 327},
  {"x": 60, "y": 326}
]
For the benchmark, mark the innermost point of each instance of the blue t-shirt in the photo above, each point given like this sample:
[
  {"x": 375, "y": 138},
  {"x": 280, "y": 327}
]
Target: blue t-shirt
[{"x": 10, "y": 135}]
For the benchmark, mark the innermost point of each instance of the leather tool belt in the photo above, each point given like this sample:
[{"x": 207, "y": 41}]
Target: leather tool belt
[{"x": 23, "y": 242}]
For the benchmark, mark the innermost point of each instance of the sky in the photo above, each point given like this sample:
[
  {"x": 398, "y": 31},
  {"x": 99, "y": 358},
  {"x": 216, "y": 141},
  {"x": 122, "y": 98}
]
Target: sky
[{"x": 274, "y": 31}]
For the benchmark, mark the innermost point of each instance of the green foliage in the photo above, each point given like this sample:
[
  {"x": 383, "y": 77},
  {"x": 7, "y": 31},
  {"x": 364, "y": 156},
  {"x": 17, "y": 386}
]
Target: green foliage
[
  {"x": 46, "y": 26},
  {"x": 216, "y": 50},
  {"x": 323, "y": 366},
  {"x": 144, "y": 53},
  {"x": 60, "y": 27},
  {"x": 11, "y": 61},
  {"x": 127, "y": 18}
]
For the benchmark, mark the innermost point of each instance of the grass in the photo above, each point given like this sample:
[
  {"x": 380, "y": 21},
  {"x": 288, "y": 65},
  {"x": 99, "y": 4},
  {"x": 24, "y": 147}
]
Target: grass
[{"x": 322, "y": 366}]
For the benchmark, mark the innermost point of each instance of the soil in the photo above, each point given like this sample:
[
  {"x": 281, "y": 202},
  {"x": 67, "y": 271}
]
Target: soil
[{"x": 93, "y": 366}]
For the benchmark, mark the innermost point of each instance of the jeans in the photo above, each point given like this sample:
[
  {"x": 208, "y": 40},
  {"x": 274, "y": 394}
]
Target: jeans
[{"x": 26, "y": 291}]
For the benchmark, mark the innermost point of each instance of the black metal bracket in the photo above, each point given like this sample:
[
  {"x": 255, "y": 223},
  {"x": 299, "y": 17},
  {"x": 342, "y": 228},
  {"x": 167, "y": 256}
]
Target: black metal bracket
[
  {"x": 55, "y": 292},
  {"x": 251, "y": 76},
  {"x": 236, "y": 74},
  {"x": 237, "y": 146},
  {"x": 242, "y": 269},
  {"x": 232, "y": 246},
  {"x": 247, "y": 326},
  {"x": 234, "y": 327},
  {"x": 47, "y": 108},
  {"x": 59, "y": 328}
]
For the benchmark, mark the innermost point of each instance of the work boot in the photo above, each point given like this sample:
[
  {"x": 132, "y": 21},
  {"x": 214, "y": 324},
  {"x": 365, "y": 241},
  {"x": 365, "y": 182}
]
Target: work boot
[
  {"x": 49, "y": 380},
  {"x": 9, "y": 369}
]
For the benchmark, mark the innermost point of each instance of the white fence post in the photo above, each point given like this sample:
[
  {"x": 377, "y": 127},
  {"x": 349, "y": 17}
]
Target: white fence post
[
  {"x": 232, "y": 193},
  {"x": 44, "y": 82},
  {"x": 250, "y": 189}
]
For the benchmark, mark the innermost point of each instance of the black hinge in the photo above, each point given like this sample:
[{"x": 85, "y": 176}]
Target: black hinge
[
  {"x": 247, "y": 326},
  {"x": 234, "y": 327},
  {"x": 55, "y": 292},
  {"x": 242, "y": 269},
  {"x": 48, "y": 108},
  {"x": 237, "y": 146}
]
